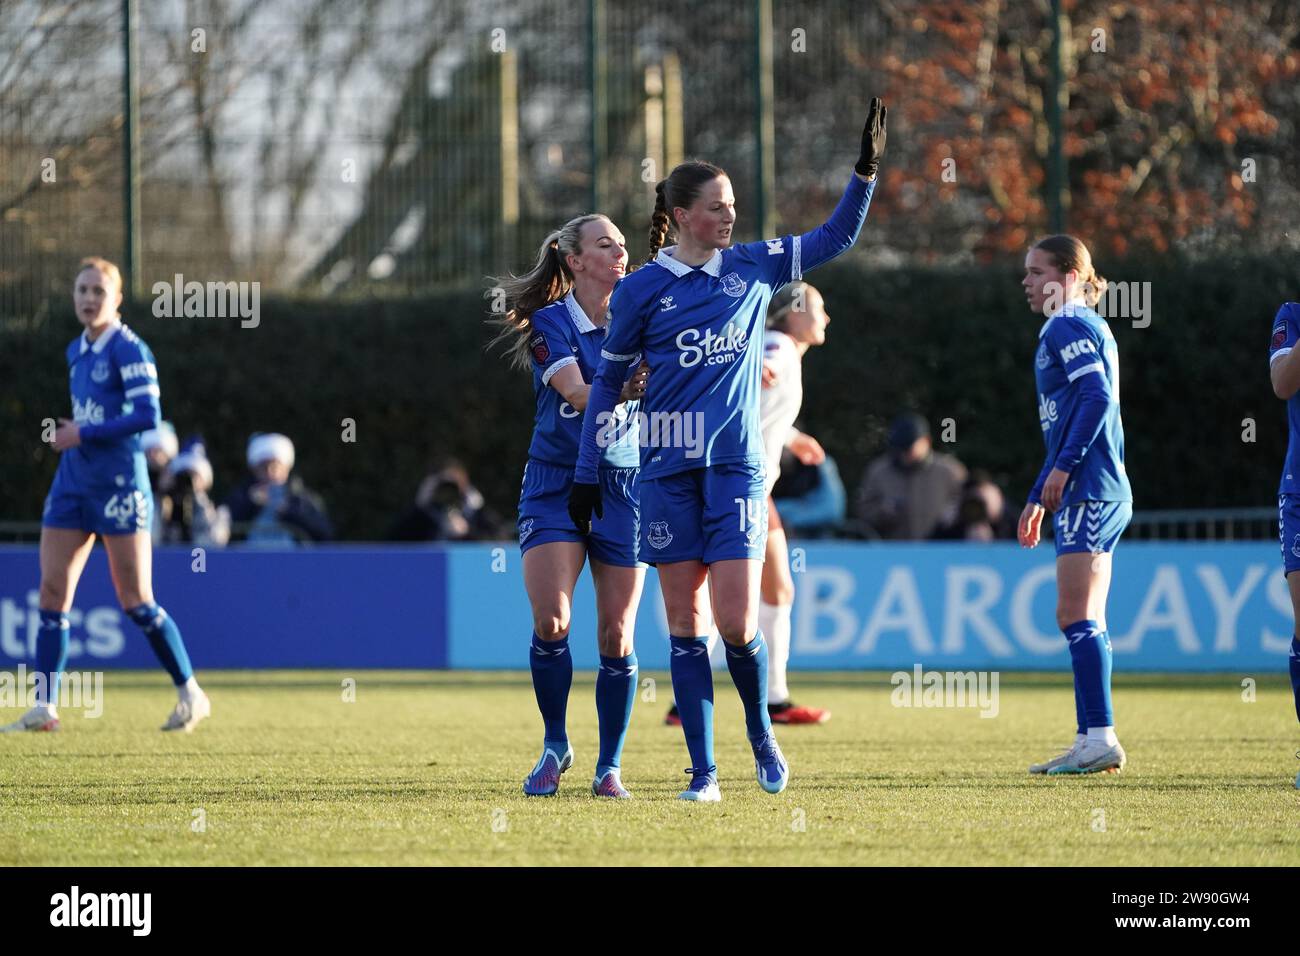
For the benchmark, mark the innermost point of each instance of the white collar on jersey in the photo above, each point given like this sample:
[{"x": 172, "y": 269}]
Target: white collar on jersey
[
  {"x": 579, "y": 317},
  {"x": 713, "y": 267},
  {"x": 1070, "y": 308},
  {"x": 102, "y": 341}
]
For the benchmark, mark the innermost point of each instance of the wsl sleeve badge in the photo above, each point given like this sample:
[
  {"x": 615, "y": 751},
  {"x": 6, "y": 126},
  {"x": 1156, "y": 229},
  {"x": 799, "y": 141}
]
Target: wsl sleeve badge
[{"x": 541, "y": 351}]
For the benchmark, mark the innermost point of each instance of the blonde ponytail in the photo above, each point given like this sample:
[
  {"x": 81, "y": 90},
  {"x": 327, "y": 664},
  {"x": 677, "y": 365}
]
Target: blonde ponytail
[{"x": 549, "y": 280}]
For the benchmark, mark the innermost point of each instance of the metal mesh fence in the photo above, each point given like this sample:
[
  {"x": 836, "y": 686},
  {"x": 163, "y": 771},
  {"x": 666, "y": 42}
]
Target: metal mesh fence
[{"x": 383, "y": 146}]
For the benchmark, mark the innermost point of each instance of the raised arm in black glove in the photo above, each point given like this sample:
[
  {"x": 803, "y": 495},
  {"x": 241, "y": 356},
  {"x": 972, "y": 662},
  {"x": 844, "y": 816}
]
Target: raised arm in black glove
[{"x": 873, "y": 139}]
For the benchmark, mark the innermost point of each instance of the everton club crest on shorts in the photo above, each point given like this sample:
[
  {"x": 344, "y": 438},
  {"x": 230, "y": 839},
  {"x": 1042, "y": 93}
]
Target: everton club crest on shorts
[{"x": 658, "y": 534}]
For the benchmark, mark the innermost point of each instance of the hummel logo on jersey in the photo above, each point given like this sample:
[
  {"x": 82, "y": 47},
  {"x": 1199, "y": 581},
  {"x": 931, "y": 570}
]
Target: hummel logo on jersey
[
  {"x": 775, "y": 247},
  {"x": 721, "y": 349},
  {"x": 667, "y": 303},
  {"x": 1046, "y": 411},
  {"x": 1075, "y": 349}
]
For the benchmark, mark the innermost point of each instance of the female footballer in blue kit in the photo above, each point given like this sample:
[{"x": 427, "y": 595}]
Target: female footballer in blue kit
[
  {"x": 102, "y": 487},
  {"x": 1284, "y": 370},
  {"x": 796, "y": 321},
  {"x": 556, "y": 324},
  {"x": 696, "y": 311},
  {"x": 1083, "y": 482}
]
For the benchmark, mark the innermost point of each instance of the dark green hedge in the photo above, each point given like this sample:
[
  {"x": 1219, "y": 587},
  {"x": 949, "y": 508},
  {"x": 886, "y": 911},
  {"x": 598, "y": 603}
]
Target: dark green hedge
[{"x": 952, "y": 344}]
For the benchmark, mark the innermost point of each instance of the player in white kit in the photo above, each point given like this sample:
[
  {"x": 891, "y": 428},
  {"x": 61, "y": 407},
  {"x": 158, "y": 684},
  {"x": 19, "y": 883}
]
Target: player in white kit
[{"x": 796, "y": 321}]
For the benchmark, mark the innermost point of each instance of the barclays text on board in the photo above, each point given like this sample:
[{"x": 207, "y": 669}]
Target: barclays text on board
[{"x": 1208, "y": 607}]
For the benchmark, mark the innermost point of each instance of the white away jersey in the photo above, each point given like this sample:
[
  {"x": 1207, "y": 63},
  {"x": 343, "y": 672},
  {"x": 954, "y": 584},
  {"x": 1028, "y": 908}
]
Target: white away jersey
[{"x": 779, "y": 402}]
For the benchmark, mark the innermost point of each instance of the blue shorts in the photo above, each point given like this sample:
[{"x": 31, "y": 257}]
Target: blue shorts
[
  {"x": 1091, "y": 527},
  {"x": 122, "y": 509},
  {"x": 544, "y": 512},
  {"x": 716, "y": 513},
  {"x": 1288, "y": 529}
]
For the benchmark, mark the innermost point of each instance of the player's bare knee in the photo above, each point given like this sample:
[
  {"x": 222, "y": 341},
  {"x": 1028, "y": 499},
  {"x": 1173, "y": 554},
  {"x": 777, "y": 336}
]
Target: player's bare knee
[
  {"x": 54, "y": 594},
  {"x": 1067, "y": 614},
  {"x": 737, "y": 630},
  {"x": 613, "y": 639},
  {"x": 551, "y": 627},
  {"x": 687, "y": 625},
  {"x": 132, "y": 599}
]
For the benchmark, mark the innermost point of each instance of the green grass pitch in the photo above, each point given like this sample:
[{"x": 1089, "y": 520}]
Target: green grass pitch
[{"x": 425, "y": 768}]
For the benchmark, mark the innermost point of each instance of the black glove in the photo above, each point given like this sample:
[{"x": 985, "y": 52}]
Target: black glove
[
  {"x": 873, "y": 139},
  {"x": 583, "y": 500}
]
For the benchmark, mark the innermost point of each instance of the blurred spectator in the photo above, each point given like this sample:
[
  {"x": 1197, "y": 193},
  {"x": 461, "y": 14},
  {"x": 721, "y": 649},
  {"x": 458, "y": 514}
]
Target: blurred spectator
[
  {"x": 810, "y": 498},
  {"x": 909, "y": 490},
  {"x": 447, "y": 508},
  {"x": 982, "y": 514},
  {"x": 160, "y": 447},
  {"x": 187, "y": 513},
  {"x": 279, "y": 508}
]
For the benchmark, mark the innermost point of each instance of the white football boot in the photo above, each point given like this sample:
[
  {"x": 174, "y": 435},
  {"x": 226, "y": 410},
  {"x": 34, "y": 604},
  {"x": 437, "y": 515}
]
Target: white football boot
[
  {"x": 42, "y": 717},
  {"x": 1060, "y": 758},
  {"x": 1092, "y": 756},
  {"x": 189, "y": 710}
]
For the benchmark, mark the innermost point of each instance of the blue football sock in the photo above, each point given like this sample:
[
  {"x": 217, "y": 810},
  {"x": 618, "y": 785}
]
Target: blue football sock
[
  {"x": 693, "y": 689},
  {"x": 52, "y": 652},
  {"x": 748, "y": 666},
  {"x": 615, "y": 694},
  {"x": 165, "y": 639},
  {"x": 1090, "y": 657},
  {"x": 1295, "y": 673},
  {"x": 1080, "y": 715},
  {"x": 552, "y": 667}
]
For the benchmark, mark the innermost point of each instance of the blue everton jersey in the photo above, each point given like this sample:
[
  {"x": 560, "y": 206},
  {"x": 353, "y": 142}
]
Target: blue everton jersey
[
  {"x": 1286, "y": 329},
  {"x": 1076, "y": 369},
  {"x": 563, "y": 335},
  {"x": 701, "y": 330},
  {"x": 114, "y": 383}
]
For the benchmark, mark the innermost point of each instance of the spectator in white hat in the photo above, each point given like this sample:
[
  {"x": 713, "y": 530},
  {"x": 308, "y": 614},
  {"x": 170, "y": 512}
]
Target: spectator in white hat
[{"x": 279, "y": 508}]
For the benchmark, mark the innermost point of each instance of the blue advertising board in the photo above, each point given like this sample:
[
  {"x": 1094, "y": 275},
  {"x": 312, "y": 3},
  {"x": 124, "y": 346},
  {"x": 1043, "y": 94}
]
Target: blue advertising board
[
  {"x": 318, "y": 607},
  {"x": 1175, "y": 607}
]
